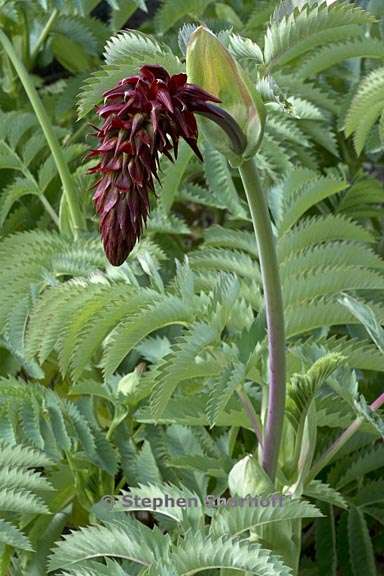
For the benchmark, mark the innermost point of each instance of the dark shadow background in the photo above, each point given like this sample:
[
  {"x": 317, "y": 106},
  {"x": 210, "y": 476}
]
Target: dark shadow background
[{"x": 102, "y": 11}]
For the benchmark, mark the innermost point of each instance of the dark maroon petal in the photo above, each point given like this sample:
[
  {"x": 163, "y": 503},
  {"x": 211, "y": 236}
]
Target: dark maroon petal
[
  {"x": 136, "y": 172},
  {"x": 165, "y": 98},
  {"x": 108, "y": 109},
  {"x": 154, "y": 71},
  {"x": 125, "y": 84},
  {"x": 108, "y": 145},
  {"x": 123, "y": 182},
  {"x": 110, "y": 200},
  {"x": 119, "y": 123},
  {"x": 193, "y": 144},
  {"x": 189, "y": 124},
  {"x": 124, "y": 146},
  {"x": 101, "y": 186},
  {"x": 176, "y": 82},
  {"x": 113, "y": 165},
  {"x": 137, "y": 121},
  {"x": 191, "y": 92}
]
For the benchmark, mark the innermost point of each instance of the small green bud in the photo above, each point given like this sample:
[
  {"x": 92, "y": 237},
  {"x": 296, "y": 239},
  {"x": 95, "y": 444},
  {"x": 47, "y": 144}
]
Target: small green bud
[
  {"x": 129, "y": 385},
  {"x": 247, "y": 478},
  {"x": 212, "y": 67}
]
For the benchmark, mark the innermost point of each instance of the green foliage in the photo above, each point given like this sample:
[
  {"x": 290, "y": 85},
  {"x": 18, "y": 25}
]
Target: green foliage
[
  {"x": 326, "y": 554},
  {"x": 325, "y": 493},
  {"x": 365, "y": 109},
  {"x": 37, "y": 416},
  {"x": 220, "y": 181},
  {"x": 20, "y": 489},
  {"x": 303, "y": 387},
  {"x": 360, "y": 546},
  {"x": 172, "y": 12},
  {"x": 193, "y": 553},
  {"x": 239, "y": 520},
  {"x": 335, "y": 54},
  {"x": 124, "y": 53},
  {"x": 291, "y": 36},
  {"x": 150, "y": 379}
]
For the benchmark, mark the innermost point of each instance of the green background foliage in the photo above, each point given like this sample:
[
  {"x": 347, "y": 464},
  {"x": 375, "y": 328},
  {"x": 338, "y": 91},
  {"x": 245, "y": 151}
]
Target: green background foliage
[{"x": 134, "y": 378}]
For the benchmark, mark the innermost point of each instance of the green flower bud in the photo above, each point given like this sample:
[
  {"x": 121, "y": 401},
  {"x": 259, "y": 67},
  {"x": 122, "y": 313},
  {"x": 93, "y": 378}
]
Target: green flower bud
[
  {"x": 212, "y": 67},
  {"x": 247, "y": 478}
]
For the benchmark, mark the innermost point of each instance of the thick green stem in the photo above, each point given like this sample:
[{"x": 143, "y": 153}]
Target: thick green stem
[
  {"x": 274, "y": 313},
  {"x": 46, "y": 126}
]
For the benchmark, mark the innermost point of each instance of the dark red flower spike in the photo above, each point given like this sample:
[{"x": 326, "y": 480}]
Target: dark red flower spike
[{"x": 144, "y": 116}]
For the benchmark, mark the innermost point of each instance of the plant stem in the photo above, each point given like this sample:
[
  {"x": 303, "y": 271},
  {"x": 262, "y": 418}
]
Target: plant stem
[
  {"x": 26, "y": 46},
  {"x": 44, "y": 33},
  {"x": 29, "y": 176},
  {"x": 250, "y": 412},
  {"x": 49, "y": 210},
  {"x": 46, "y": 126},
  {"x": 341, "y": 440},
  {"x": 232, "y": 437},
  {"x": 274, "y": 314}
]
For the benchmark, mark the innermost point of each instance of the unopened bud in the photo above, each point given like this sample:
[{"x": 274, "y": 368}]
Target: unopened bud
[
  {"x": 248, "y": 478},
  {"x": 211, "y": 66}
]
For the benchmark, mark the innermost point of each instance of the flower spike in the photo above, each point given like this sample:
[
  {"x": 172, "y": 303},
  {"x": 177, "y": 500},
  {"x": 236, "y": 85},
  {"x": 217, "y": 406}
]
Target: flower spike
[{"x": 144, "y": 116}]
